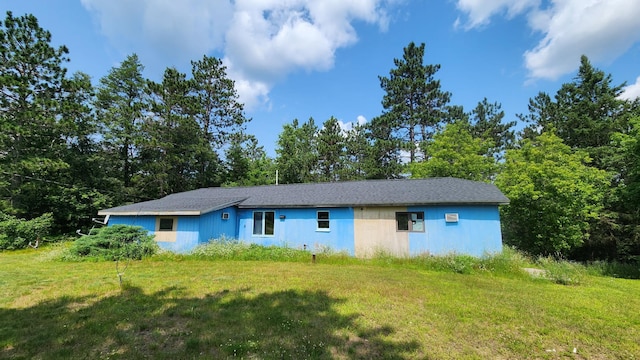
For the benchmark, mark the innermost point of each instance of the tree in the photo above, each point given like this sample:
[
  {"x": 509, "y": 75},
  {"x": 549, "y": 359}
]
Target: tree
[
  {"x": 247, "y": 163},
  {"x": 553, "y": 195},
  {"x": 414, "y": 104},
  {"x": 31, "y": 142},
  {"x": 383, "y": 160},
  {"x": 86, "y": 188},
  {"x": 626, "y": 245},
  {"x": 585, "y": 113},
  {"x": 331, "y": 150},
  {"x": 486, "y": 123},
  {"x": 173, "y": 139},
  {"x": 297, "y": 158},
  {"x": 455, "y": 153},
  {"x": 121, "y": 105},
  {"x": 218, "y": 112},
  {"x": 357, "y": 149}
]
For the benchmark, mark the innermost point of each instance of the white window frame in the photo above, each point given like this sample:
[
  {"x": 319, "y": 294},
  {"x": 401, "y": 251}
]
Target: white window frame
[
  {"x": 263, "y": 225},
  {"x": 327, "y": 220}
]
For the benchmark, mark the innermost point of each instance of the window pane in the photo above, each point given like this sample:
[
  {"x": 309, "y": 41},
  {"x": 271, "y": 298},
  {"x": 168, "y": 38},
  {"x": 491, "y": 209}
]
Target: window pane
[
  {"x": 269, "y": 217},
  {"x": 257, "y": 223},
  {"x": 323, "y": 219},
  {"x": 402, "y": 219},
  {"x": 417, "y": 225},
  {"x": 166, "y": 224}
]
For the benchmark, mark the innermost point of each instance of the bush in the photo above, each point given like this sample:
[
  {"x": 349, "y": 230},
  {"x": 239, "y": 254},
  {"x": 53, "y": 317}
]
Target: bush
[
  {"x": 17, "y": 233},
  {"x": 232, "y": 249},
  {"x": 115, "y": 242},
  {"x": 562, "y": 271}
]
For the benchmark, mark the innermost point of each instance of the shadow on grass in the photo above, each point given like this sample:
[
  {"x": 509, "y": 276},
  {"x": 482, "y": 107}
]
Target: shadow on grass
[{"x": 168, "y": 325}]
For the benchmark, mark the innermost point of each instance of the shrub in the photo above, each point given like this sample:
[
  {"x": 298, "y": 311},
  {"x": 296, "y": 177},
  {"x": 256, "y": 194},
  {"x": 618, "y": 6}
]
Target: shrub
[
  {"x": 231, "y": 249},
  {"x": 17, "y": 233},
  {"x": 562, "y": 271},
  {"x": 115, "y": 242}
]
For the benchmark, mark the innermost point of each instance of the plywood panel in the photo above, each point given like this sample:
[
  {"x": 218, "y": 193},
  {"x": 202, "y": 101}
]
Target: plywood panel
[{"x": 375, "y": 231}]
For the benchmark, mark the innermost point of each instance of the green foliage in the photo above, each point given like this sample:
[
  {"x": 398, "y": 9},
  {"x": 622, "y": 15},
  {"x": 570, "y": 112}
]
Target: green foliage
[
  {"x": 614, "y": 269},
  {"x": 18, "y": 233},
  {"x": 331, "y": 150},
  {"x": 553, "y": 194},
  {"x": 297, "y": 151},
  {"x": 561, "y": 271},
  {"x": 231, "y": 249},
  {"x": 455, "y": 153},
  {"x": 486, "y": 123},
  {"x": 115, "y": 242},
  {"x": 414, "y": 104}
]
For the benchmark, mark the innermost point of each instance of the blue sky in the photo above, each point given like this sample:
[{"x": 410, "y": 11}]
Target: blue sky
[{"x": 321, "y": 58}]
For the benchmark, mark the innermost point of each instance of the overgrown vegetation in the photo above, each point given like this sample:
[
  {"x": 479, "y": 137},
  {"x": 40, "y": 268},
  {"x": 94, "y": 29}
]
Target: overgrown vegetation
[
  {"x": 572, "y": 173},
  {"x": 19, "y": 233},
  {"x": 116, "y": 242},
  {"x": 192, "y": 307}
]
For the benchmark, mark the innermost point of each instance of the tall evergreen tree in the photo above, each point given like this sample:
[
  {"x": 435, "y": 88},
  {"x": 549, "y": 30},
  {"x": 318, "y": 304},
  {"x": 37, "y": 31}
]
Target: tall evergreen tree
[
  {"x": 487, "y": 123},
  {"x": 297, "y": 158},
  {"x": 383, "y": 160},
  {"x": 218, "y": 112},
  {"x": 356, "y": 154},
  {"x": 32, "y": 146},
  {"x": 414, "y": 103},
  {"x": 331, "y": 150},
  {"x": 121, "y": 106},
  {"x": 173, "y": 138}
]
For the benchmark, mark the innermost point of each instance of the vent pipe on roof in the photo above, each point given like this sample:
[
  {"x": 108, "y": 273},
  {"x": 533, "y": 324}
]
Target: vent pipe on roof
[{"x": 276, "y": 176}]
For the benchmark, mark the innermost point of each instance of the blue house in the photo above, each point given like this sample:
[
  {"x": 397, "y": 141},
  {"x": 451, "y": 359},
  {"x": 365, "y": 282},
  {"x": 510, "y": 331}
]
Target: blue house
[{"x": 402, "y": 217}]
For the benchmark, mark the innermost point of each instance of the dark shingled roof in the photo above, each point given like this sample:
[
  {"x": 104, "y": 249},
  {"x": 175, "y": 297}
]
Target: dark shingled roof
[{"x": 434, "y": 191}]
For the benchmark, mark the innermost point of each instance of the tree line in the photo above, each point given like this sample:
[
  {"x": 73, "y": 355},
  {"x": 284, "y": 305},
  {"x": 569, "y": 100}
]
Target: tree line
[{"x": 69, "y": 147}]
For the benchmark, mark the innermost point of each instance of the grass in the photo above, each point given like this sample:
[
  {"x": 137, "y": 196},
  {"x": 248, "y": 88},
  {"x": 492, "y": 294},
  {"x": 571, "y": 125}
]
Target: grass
[{"x": 272, "y": 305}]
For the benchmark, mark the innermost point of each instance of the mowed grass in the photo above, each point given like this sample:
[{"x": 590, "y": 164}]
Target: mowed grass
[{"x": 179, "y": 307}]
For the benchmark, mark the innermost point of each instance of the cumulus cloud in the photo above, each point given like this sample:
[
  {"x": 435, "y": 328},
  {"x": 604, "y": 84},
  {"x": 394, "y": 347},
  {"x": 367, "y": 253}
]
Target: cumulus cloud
[
  {"x": 262, "y": 40},
  {"x": 632, "y": 91},
  {"x": 600, "y": 29},
  {"x": 177, "y": 31},
  {"x": 479, "y": 12},
  {"x": 349, "y": 125}
]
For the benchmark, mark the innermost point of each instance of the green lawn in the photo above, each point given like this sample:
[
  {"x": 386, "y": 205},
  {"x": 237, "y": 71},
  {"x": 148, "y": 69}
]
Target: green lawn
[{"x": 182, "y": 308}]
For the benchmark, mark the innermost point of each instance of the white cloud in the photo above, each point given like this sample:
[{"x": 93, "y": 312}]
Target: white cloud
[
  {"x": 177, "y": 31},
  {"x": 480, "y": 12},
  {"x": 262, "y": 40},
  {"x": 600, "y": 29},
  {"x": 349, "y": 125},
  {"x": 632, "y": 91}
]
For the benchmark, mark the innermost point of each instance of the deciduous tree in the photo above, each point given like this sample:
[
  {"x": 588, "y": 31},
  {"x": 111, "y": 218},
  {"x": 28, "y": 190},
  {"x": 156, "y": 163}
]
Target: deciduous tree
[{"x": 553, "y": 194}]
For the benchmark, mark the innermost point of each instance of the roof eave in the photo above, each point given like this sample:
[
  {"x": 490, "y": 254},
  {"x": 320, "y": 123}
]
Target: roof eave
[{"x": 151, "y": 212}]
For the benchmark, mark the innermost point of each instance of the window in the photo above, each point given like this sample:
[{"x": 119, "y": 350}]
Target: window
[
  {"x": 263, "y": 222},
  {"x": 410, "y": 221},
  {"x": 323, "y": 221},
  {"x": 166, "y": 224}
]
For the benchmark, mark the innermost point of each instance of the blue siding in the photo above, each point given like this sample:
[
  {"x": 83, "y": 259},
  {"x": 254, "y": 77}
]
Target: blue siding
[
  {"x": 147, "y": 222},
  {"x": 187, "y": 232},
  {"x": 299, "y": 228},
  {"x": 476, "y": 233},
  {"x": 212, "y": 226}
]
